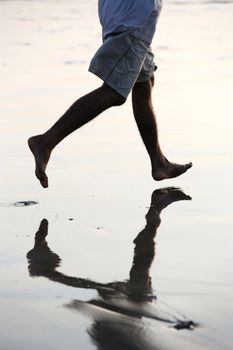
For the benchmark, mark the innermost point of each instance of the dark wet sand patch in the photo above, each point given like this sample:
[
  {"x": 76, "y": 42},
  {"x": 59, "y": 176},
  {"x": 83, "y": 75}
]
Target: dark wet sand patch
[{"x": 24, "y": 203}]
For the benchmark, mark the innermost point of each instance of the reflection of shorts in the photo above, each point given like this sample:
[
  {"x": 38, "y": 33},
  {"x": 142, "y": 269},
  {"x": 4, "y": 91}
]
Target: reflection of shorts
[{"x": 123, "y": 60}]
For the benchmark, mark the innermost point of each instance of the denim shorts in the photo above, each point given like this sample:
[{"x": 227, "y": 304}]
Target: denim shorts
[{"x": 123, "y": 60}]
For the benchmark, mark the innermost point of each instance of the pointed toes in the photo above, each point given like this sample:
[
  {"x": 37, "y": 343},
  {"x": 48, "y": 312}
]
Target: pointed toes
[{"x": 189, "y": 165}]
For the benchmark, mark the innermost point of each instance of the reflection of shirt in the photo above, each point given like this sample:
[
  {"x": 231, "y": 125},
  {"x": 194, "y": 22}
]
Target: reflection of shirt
[{"x": 137, "y": 16}]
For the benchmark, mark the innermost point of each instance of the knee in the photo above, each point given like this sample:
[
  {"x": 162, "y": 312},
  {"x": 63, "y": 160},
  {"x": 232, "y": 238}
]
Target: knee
[
  {"x": 119, "y": 100},
  {"x": 115, "y": 98}
]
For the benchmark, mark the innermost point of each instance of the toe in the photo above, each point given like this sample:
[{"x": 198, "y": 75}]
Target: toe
[
  {"x": 44, "y": 182},
  {"x": 189, "y": 165}
]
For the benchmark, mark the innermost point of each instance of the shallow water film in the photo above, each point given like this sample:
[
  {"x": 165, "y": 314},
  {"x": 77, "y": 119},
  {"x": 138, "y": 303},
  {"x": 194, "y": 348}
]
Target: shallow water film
[{"x": 107, "y": 258}]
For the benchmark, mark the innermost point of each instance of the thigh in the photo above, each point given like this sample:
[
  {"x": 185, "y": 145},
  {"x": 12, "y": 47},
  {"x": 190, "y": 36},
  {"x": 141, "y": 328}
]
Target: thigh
[{"x": 119, "y": 61}]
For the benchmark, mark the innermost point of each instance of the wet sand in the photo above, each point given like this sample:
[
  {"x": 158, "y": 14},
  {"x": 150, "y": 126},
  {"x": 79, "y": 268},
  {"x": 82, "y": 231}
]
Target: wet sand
[{"x": 90, "y": 263}]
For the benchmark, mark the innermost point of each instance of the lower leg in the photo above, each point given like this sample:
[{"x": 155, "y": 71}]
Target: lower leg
[
  {"x": 147, "y": 126},
  {"x": 80, "y": 113}
]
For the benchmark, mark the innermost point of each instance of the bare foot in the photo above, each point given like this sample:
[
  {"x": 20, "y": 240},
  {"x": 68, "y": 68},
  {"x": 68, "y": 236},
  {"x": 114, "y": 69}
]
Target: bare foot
[
  {"x": 41, "y": 154},
  {"x": 167, "y": 170}
]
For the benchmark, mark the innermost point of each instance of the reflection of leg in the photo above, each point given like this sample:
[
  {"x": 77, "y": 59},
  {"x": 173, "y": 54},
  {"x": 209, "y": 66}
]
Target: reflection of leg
[
  {"x": 42, "y": 261},
  {"x": 140, "y": 282},
  {"x": 146, "y": 122},
  {"x": 81, "y": 112}
]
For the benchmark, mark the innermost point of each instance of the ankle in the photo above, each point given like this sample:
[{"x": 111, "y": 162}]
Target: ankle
[
  {"x": 47, "y": 141},
  {"x": 158, "y": 161}
]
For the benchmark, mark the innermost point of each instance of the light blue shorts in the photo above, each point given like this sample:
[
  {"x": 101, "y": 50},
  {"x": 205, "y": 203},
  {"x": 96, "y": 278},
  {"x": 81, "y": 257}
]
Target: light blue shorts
[{"x": 122, "y": 61}]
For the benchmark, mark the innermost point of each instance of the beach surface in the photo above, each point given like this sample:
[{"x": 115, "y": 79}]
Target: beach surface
[{"x": 106, "y": 258}]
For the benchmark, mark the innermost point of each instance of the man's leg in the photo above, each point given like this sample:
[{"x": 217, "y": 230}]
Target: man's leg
[
  {"x": 81, "y": 112},
  {"x": 146, "y": 122}
]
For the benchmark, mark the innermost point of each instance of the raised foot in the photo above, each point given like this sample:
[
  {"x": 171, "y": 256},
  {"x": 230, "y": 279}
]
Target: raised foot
[
  {"x": 168, "y": 170},
  {"x": 41, "y": 154}
]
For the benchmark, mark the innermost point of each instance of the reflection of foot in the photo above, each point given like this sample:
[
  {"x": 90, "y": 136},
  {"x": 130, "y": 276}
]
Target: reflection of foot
[
  {"x": 41, "y": 233},
  {"x": 41, "y": 155},
  {"x": 167, "y": 170},
  {"x": 162, "y": 197},
  {"x": 42, "y": 261}
]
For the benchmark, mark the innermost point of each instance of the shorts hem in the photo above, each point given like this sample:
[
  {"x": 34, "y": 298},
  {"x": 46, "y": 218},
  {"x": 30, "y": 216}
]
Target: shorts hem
[{"x": 109, "y": 83}]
